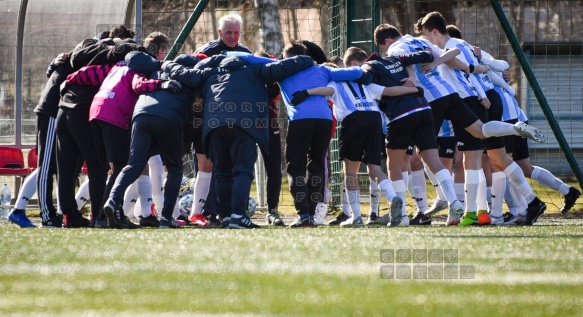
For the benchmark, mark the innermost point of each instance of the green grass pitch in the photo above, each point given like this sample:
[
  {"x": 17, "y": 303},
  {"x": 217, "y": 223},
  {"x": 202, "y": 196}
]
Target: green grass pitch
[{"x": 518, "y": 271}]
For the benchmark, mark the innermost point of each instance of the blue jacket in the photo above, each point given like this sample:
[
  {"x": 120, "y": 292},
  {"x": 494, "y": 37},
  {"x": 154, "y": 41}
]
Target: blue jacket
[
  {"x": 162, "y": 103},
  {"x": 314, "y": 107},
  {"x": 234, "y": 91}
]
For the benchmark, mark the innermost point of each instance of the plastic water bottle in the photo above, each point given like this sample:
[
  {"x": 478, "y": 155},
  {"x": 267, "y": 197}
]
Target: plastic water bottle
[{"x": 5, "y": 200}]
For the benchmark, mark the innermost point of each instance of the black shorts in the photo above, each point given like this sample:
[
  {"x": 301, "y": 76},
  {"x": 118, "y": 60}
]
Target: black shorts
[
  {"x": 466, "y": 141},
  {"x": 410, "y": 149},
  {"x": 197, "y": 141},
  {"x": 111, "y": 140},
  {"x": 382, "y": 149},
  {"x": 361, "y": 135},
  {"x": 193, "y": 135},
  {"x": 516, "y": 145},
  {"x": 446, "y": 146},
  {"x": 453, "y": 108},
  {"x": 416, "y": 128},
  {"x": 494, "y": 114}
]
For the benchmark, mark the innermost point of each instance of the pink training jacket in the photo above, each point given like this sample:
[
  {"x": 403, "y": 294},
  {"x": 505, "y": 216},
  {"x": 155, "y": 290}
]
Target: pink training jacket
[{"x": 120, "y": 88}]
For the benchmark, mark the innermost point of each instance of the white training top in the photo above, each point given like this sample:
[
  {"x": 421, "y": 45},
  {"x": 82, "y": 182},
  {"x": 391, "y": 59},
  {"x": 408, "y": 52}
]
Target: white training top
[
  {"x": 457, "y": 78},
  {"x": 494, "y": 64},
  {"x": 349, "y": 97},
  {"x": 433, "y": 84},
  {"x": 480, "y": 78}
]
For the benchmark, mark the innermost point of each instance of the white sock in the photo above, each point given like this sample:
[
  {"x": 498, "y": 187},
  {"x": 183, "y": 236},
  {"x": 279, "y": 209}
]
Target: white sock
[
  {"x": 137, "y": 212},
  {"x": 130, "y": 198},
  {"x": 498, "y": 189},
  {"x": 522, "y": 205},
  {"x": 437, "y": 184},
  {"x": 511, "y": 197},
  {"x": 345, "y": 204},
  {"x": 489, "y": 197},
  {"x": 145, "y": 193},
  {"x": 59, "y": 211},
  {"x": 460, "y": 193},
  {"x": 446, "y": 184},
  {"x": 375, "y": 197},
  {"x": 516, "y": 176},
  {"x": 482, "y": 192},
  {"x": 498, "y": 128},
  {"x": 201, "y": 190},
  {"x": 520, "y": 202},
  {"x": 156, "y": 172},
  {"x": 158, "y": 201},
  {"x": 547, "y": 179},
  {"x": 387, "y": 189},
  {"x": 406, "y": 180},
  {"x": 410, "y": 189},
  {"x": 419, "y": 185},
  {"x": 27, "y": 191},
  {"x": 82, "y": 195},
  {"x": 400, "y": 189},
  {"x": 354, "y": 202},
  {"x": 472, "y": 178}
]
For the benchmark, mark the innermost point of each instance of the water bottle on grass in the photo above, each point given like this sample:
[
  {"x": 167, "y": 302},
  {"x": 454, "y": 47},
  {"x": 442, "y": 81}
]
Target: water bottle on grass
[{"x": 5, "y": 200}]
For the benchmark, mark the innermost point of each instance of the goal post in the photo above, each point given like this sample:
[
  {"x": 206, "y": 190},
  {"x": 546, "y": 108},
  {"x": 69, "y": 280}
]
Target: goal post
[
  {"x": 538, "y": 92},
  {"x": 541, "y": 40}
]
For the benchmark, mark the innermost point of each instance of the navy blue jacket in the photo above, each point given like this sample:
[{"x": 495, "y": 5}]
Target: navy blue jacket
[
  {"x": 388, "y": 72},
  {"x": 234, "y": 91},
  {"x": 79, "y": 97},
  {"x": 161, "y": 103},
  {"x": 213, "y": 48},
  {"x": 50, "y": 97}
]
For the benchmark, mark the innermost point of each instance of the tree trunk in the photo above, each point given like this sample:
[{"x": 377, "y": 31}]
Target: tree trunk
[
  {"x": 325, "y": 26},
  {"x": 404, "y": 14},
  {"x": 517, "y": 13},
  {"x": 537, "y": 15},
  {"x": 270, "y": 25}
]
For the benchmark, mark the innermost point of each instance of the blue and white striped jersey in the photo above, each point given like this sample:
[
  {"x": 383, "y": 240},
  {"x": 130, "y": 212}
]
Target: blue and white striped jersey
[
  {"x": 457, "y": 78},
  {"x": 349, "y": 97},
  {"x": 446, "y": 129},
  {"x": 481, "y": 78},
  {"x": 511, "y": 109},
  {"x": 433, "y": 84}
]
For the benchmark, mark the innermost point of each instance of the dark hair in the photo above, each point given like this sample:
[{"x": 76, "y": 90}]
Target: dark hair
[
  {"x": 102, "y": 35},
  {"x": 453, "y": 31},
  {"x": 330, "y": 64},
  {"x": 385, "y": 31},
  {"x": 434, "y": 20},
  {"x": 262, "y": 54},
  {"x": 315, "y": 52},
  {"x": 354, "y": 54},
  {"x": 336, "y": 60},
  {"x": 417, "y": 26},
  {"x": 122, "y": 32},
  {"x": 294, "y": 48},
  {"x": 156, "y": 41},
  {"x": 84, "y": 44}
]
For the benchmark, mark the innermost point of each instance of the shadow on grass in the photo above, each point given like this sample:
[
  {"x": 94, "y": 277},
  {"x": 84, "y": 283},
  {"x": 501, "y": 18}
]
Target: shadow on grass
[{"x": 509, "y": 236}]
